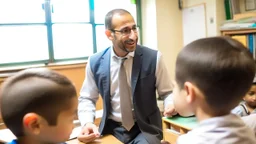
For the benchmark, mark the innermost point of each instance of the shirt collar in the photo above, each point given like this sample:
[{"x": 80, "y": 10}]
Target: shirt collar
[{"x": 113, "y": 54}]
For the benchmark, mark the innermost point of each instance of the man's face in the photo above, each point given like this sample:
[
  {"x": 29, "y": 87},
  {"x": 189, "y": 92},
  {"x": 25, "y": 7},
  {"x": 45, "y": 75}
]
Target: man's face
[{"x": 124, "y": 32}]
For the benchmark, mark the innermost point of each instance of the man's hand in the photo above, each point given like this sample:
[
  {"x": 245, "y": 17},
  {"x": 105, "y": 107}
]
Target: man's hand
[
  {"x": 169, "y": 110},
  {"x": 88, "y": 133},
  {"x": 164, "y": 142}
]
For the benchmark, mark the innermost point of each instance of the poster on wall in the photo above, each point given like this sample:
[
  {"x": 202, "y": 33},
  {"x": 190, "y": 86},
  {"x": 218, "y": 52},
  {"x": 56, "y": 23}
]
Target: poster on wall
[{"x": 193, "y": 23}]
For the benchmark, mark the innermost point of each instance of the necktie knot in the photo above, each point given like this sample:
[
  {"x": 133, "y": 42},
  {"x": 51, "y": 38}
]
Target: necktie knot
[{"x": 122, "y": 60}]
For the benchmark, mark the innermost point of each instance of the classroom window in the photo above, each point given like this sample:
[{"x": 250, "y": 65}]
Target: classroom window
[{"x": 48, "y": 31}]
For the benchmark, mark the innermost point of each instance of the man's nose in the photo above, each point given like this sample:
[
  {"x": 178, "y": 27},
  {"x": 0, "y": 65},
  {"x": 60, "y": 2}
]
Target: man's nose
[{"x": 133, "y": 35}]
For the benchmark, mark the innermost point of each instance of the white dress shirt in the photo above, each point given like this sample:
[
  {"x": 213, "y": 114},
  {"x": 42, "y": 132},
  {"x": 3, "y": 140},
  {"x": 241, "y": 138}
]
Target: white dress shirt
[
  {"x": 89, "y": 93},
  {"x": 250, "y": 121},
  {"x": 228, "y": 129}
]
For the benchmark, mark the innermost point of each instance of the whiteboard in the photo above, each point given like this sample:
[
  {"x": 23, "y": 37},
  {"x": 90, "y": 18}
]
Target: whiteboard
[{"x": 193, "y": 23}]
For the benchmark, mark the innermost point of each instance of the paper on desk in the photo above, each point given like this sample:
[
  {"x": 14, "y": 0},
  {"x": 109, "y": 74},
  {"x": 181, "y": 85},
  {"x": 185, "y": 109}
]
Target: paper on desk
[
  {"x": 75, "y": 132},
  {"x": 6, "y": 135}
]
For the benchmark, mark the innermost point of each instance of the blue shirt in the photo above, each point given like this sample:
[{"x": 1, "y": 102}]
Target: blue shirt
[{"x": 15, "y": 142}]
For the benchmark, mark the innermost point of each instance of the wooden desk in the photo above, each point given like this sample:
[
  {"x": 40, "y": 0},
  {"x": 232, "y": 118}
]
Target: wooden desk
[
  {"x": 175, "y": 126},
  {"x": 108, "y": 139}
]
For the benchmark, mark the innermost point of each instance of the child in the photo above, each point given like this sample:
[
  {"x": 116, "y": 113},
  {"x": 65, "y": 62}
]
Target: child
[
  {"x": 212, "y": 75},
  {"x": 248, "y": 105},
  {"x": 38, "y": 106}
]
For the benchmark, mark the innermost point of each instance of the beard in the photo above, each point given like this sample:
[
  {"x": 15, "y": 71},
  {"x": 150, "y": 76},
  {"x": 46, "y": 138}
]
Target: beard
[{"x": 128, "y": 45}]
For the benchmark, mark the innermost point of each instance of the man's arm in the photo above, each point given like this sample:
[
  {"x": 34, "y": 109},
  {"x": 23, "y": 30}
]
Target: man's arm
[
  {"x": 164, "y": 85},
  {"x": 163, "y": 82},
  {"x": 89, "y": 95}
]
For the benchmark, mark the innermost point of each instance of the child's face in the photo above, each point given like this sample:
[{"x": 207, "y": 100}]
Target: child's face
[
  {"x": 250, "y": 97},
  {"x": 180, "y": 103},
  {"x": 61, "y": 132}
]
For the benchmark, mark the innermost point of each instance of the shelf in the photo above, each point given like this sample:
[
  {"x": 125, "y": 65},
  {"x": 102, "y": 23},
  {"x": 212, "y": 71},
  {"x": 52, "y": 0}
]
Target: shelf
[{"x": 238, "y": 31}]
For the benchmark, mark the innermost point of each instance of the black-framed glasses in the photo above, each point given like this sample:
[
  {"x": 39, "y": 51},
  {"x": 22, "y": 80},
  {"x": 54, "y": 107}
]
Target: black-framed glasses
[{"x": 126, "y": 31}]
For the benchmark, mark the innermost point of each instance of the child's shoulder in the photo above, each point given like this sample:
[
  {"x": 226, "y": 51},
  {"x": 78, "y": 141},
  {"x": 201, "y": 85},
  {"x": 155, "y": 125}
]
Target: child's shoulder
[
  {"x": 223, "y": 129},
  {"x": 241, "y": 110},
  {"x": 250, "y": 120}
]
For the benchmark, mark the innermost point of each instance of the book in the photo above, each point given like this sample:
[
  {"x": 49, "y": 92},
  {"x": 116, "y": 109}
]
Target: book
[
  {"x": 241, "y": 38},
  {"x": 228, "y": 10}
]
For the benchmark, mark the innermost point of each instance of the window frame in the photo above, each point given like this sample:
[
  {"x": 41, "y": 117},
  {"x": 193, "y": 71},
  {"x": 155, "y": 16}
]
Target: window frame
[{"x": 48, "y": 23}]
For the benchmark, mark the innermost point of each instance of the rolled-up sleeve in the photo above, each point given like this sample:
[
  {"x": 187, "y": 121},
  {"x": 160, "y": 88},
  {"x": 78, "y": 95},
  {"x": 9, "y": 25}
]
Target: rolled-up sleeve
[
  {"x": 89, "y": 95},
  {"x": 163, "y": 82}
]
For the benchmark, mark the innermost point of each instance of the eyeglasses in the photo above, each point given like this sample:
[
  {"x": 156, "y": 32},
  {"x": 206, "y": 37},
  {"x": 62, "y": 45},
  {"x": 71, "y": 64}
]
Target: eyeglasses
[{"x": 126, "y": 31}]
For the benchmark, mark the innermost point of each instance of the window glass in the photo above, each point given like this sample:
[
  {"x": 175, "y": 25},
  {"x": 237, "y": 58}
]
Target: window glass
[
  {"x": 22, "y": 11},
  {"x": 101, "y": 39},
  {"x": 102, "y": 7},
  {"x": 72, "y": 40},
  {"x": 23, "y": 43},
  {"x": 70, "y": 10}
]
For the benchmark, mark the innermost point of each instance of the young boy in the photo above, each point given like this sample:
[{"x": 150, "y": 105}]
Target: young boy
[
  {"x": 212, "y": 75},
  {"x": 248, "y": 105},
  {"x": 38, "y": 106}
]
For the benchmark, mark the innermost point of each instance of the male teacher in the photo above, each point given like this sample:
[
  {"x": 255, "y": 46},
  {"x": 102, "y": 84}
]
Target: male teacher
[{"x": 127, "y": 76}]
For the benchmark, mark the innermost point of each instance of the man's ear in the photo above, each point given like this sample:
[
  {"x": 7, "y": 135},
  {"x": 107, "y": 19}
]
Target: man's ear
[
  {"x": 109, "y": 34},
  {"x": 190, "y": 90},
  {"x": 31, "y": 123}
]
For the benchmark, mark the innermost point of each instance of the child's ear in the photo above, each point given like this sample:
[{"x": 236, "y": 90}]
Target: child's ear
[
  {"x": 190, "y": 92},
  {"x": 31, "y": 123},
  {"x": 109, "y": 34}
]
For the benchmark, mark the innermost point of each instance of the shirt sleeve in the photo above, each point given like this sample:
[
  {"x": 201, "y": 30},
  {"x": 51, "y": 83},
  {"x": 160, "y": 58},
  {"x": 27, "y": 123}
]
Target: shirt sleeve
[
  {"x": 163, "y": 82},
  {"x": 239, "y": 110},
  {"x": 89, "y": 95}
]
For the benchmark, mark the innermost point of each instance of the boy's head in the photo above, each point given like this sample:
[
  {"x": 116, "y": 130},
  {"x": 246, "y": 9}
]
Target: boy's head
[
  {"x": 250, "y": 96},
  {"x": 39, "y": 103},
  {"x": 212, "y": 74}
]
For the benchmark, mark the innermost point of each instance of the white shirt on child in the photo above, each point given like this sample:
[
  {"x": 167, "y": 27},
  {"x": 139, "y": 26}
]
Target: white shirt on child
[
  {"x": 228, "y": 129},
  {"x": 250, "y": 121},
  {"x": 242, "y": 110}
]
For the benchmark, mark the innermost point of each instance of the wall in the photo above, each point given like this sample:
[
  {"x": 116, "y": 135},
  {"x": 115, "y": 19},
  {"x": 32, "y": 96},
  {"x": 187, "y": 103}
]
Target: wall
[
  {"x": 215, "y": 14},
  {"x": 242, "y": 7},
  {"x": 220, "y": 15},
  {"x": 210, "y": 6},
  {"x": 149, "y": 31},
  {"x": 75, "y": 72},
  {"x": 162, "y": 28}
]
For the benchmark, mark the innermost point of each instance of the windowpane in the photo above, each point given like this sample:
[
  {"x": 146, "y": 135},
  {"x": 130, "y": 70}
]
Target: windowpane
[
  {"x": 104, "y": 6},
  {"x": 23, "y": 43},
  {"x": 70, "y": 11},
  {"x": 72, "y": 40},
  {"x": 22, "y": 11},
  {"x": 101, "y": 39}
]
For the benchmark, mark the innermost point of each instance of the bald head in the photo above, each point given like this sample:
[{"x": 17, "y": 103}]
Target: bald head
[{"x": 109, "y": 16}]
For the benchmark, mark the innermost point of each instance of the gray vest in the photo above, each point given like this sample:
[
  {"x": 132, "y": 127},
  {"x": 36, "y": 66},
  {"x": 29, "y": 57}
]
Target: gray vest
[{"x": 143, "y": 83}]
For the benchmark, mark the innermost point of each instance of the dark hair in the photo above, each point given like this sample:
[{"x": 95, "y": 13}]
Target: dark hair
[
  {"x": 110, "y": 14},
  {"x": 221, "y": 67},
  {"x": 38, "y": 90}
]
